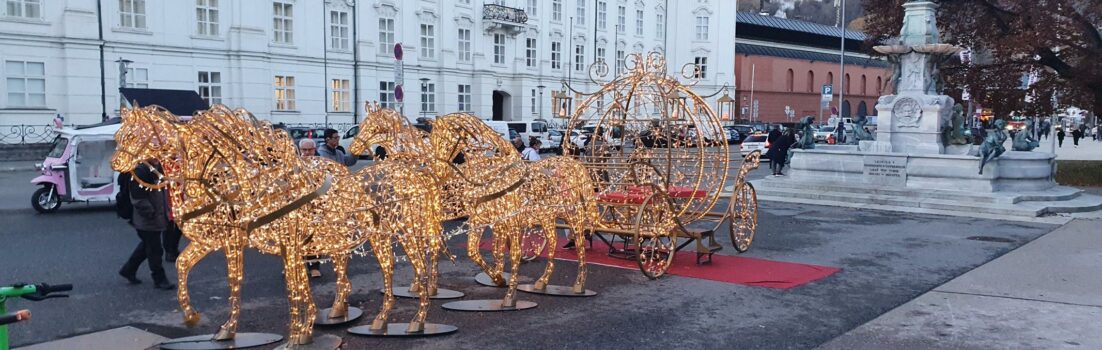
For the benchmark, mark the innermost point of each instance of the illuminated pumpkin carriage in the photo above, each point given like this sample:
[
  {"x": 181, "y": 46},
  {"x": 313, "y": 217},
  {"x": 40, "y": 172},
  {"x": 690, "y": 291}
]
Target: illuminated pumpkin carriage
[{"x": 659, "y": 159}]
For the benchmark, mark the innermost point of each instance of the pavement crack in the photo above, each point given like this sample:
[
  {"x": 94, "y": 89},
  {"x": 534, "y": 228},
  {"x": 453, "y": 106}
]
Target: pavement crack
[{"x": 1016, "y": 298}]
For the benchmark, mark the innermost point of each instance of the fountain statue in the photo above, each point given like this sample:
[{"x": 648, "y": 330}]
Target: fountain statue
[
  {"x": 1023, "y": 140},
  {"x": 954, "y": 133}
]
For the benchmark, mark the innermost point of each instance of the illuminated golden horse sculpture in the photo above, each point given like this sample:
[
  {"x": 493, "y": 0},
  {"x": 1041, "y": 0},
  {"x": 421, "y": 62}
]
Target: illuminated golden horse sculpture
[
  {"x": 241, "y": 184},
  {"x": 493, "y": 187}
]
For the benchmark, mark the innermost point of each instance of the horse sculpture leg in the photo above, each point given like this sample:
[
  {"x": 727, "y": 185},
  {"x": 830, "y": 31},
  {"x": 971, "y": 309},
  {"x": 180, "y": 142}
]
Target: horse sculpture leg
[
  {"x": 415, "y": 249},
  {"x": 380, "y": 246},
  {"x": 577, "y": 229},
  {"x": 510, "y": 299},
  {"x": 550, "y": 237},
  {"x": 192, "y": 254},
  {"x": 299, "y": 299},
  {"x": 235, "y": 254},
  {"x": 344, "y": 287},
  {"x": 474, "y": 239}
]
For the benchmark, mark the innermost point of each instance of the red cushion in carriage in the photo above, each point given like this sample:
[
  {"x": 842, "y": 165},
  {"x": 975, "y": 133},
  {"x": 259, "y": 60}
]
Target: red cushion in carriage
[
  {"x": 622, "y": 197},
  {"x": 672, "y": 191}
]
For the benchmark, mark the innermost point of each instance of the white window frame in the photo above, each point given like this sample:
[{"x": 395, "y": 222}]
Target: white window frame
[
  {"x": 283, "y": 22},
  {"x": 580, "y": 15},
  {"x": 533, "y": 7},
  {"x": 601, "y": 54},
  {"x": 702, "y": 63},
  {"x": 428, "y": 98},
  {"x": 602, "y": 14},
  {"x": 338, "y": 30},
  {"x": 132, "y": 77},
  {"x": 621, "y": 19},
  {"x": 620, "y": 64},
  {"x": 206, "y": 17},
  {"x": 340, "y": 96},
  {"x": 556, "y": 55},
  {"x": 579, "y": 57},
  {"x": 499, "y": 48},
  {"x": 556, "y": 10},
  {"x": 660, "y": 24},
  {"x": 531, "y": 59},
  {"x": 464, "y": 97},
  {"x": 464, "y": 35},
  {"x": 132, "y": 14},
  {"x": 211, "y": 89},
  {"x": 428, "y": 41},
  {"x": 24, "y": 8},
  {"x": 534, "y": 111},
  {"x": 386, "y": 95},
  {"x": 702, "y": 27},
  {"x": 284, "y": 88},
  {"x": 23, "y": 76},
  {"x": 386, "y": 35},
  {"x": 639, "y": 22}
]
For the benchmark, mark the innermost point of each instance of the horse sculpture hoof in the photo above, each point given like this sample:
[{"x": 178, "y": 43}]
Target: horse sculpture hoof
[
  {"x": 416, "y": 327},
  {"x": 540, "y": 285},
  {"x": 378, "y": 325},
  {"x": 339, "y": 310},
  {"x": 509, "y": 303},
  {"x": 224, "y": 334},
  {"x": 190, "y": 320}
]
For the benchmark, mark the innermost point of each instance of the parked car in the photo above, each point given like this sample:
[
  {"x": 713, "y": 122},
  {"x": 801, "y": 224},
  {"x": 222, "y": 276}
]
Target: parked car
[
  {"x": 744, "y": 131},
  {"x": 755, "y": 142},
  {"x": 298, "y": 133},
  {"x": 823, "y": 132},
  {"x": 733, "y": 135},
  {"x": 576, "y": 138}
]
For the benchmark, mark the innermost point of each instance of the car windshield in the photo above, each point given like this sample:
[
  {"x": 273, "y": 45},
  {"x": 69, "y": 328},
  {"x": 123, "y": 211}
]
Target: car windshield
[
  {"x": 756, "y": 138},
  {"x": 59, "y": 147},
  {"x": 826, "y": 129}
]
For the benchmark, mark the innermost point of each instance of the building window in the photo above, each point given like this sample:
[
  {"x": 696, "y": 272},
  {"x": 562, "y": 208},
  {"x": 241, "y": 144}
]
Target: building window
[
  {"x": 581, "y": 13},
  {"x": 499, "y": 48},
  {"x": 534, "y": 102},
  {"x": 864, "y": 85},
  {"x": 131, "y": 13},
  {"x": 702, "y": 28},
  {"x": 464, "y": 45},
  {"x": 556, "y": 10},
  {"x": 790, "y": 80},
  {"x": 428, "y": 98},
  {"x": 386, "y": 36},
  {"x": 846, "y": 83},
  {"x": 465, "y": 2},
  {"x": 556, "y": 55},
  {"x": 830, "y": 78},
  {"x": 532, "y": 6},
  {"x": 530, "y": 52},
  {"x": 579, "y": 57},
  {"x": 284, "y": 93},
  {"x": 428, "y": 41},
  {"x": 701, "y": 67},
  {"x": 879, "y": 86},
  {"x": 464, "y": 98},
  {"x": 210, "y": 87},
  {"x": 338, "y": 30},
  {"x": 26, "y": 83},
  {"x": 341, "y": 102},
  {"x": 620, "y": 65},
  {"x": 206, "y": 17},
  {"x": 137, "y": 78},
  {"x": 639, "y": 22},
  {"x": 621, "y": 19},
  {"x": 660, "y": 25},
  {"x": 602, "y": 13},
  {"x": 600, "y": 54},
  {"x": 283, "y": 25},
  {"x": 810, "y": 81},
  {"x": 386, "y": 95},
  {"x": 25, "y": 8}
]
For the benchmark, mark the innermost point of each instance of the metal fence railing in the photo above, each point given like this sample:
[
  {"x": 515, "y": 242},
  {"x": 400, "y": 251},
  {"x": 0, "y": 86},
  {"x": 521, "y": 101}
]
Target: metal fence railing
[{"x": 18, "y": 134}]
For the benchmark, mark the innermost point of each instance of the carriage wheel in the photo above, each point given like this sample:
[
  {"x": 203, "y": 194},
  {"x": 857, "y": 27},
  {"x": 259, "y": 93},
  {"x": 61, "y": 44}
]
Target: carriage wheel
[
  {"x": 532, "y": 244},
  {"x": 655, "y": 237},
  {"x": 744, "y": 217}
]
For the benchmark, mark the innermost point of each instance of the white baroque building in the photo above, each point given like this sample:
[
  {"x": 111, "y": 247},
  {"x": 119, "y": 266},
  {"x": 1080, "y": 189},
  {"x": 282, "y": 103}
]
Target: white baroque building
[{"x": 313, "y": 61}]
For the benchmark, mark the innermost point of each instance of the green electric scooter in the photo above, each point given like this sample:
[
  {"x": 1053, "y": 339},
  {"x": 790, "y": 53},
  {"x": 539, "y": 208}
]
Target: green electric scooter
[{"x": 33, "y": 292}]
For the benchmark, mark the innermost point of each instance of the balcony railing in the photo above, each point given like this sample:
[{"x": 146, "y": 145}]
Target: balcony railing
[{"x": 494, "y": 12}]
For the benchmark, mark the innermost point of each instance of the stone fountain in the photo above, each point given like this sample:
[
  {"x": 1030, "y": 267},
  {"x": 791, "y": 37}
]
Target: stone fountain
[{"x": 909, "y": 163}]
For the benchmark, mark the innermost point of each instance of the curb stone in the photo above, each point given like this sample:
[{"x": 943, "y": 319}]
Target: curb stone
[{"x": 18, "y": 168}]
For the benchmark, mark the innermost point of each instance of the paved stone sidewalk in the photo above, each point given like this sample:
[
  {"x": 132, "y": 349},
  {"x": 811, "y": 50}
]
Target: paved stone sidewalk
[
  {"x": 1043, "y": 295},
  {"x": 1088, "y": 149}
]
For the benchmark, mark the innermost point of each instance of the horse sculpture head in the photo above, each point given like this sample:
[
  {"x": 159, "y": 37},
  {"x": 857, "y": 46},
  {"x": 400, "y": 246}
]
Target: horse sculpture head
[
  {"x": 146, "y": 133},
  {"x": 379, "y": 127}
]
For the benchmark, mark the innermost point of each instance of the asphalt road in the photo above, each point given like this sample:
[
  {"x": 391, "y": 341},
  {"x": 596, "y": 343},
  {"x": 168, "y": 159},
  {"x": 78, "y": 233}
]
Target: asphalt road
[{"x": 886, "y": 259}]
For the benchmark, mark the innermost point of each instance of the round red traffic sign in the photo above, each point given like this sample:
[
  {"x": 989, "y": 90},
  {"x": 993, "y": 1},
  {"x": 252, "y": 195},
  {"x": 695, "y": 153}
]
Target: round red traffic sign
[
  {"x": 399, "y": 94},
  {"x": 398, "y": 51}
]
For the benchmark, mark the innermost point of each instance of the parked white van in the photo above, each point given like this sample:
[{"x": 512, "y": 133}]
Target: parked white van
[{"x": 525, "y": 128}]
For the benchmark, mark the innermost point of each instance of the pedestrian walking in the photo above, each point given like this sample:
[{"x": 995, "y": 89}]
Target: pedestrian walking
[
  {"x": 778, "y": 151},
  {"x": 532, "y": 152},
  {"x": 332, "y": 149},
  {"x": 309, "y": 148},
  {"x": 1075, "y": 135},
  {"x": 150, "y": 220},
  {"x": 1098, "y": 133},
  {"x": 1060, "y": 137},
  {"x": 171, "y": 236}
]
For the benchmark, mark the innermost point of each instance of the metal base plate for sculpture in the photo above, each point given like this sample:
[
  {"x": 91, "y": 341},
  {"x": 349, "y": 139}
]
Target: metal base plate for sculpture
[
  {"x": 321, "y": 342},
  {"x": 484, "y": 279},
  {"x": 322, "y": 318},
  {"x": 206, "y": 342},
  {"x": 562, "y": 291},
  {"x": 398, "y": 330},
  {"x": 487, "y": 305},
  {"x": 441, "y": 293}
]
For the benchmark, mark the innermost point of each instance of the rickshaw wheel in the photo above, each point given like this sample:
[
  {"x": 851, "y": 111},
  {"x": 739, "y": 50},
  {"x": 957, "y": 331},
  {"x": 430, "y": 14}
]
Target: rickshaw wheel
[
  {"x": 655, "y": 236},
  {"x": 532, "y": 244},
  {"x": 45, "y": 201},
  {"x": 744, "y": 217}
]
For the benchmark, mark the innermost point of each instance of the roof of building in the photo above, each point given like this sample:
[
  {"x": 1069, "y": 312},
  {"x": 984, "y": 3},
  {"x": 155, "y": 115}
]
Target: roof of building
[
  {"x": 750, "y": 49},
  {"x": 797, "y": 25}
]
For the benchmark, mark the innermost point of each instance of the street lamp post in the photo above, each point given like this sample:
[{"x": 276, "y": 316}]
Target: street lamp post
[
  {"x": 123, "y": 66},
  {"x": 541, "y": 100},
  {"x": 424, "y": 97}
]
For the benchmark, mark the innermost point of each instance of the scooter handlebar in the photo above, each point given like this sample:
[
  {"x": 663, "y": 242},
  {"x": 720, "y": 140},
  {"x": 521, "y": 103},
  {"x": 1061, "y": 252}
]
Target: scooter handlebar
[
  {"x": 21, "y": 315},
  {"x": 47, "y": 289}
]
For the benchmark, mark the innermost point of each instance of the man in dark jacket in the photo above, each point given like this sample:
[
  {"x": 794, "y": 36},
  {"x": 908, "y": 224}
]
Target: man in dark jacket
[
  {"x": 778, "y": 152},
  {"x": 332, "y": 149},
  {"x": 150, "y": 220},
  {"x": 773, "y": 135}
]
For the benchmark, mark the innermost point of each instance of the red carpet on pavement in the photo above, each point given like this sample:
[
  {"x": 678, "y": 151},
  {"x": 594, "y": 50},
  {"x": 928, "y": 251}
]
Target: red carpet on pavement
[{"x": 730, "y": 269}]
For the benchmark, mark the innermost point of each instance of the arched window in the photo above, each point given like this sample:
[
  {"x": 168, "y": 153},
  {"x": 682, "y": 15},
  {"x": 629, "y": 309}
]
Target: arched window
[
  {"x": 830, "y": 78},
  {"x": 879, "y": 86},
  {"x": 790, "y": 80},
  {"x": 864, "y": 86},
  {"x": 846, "y": 86},
  {"x": 810, "y": 81}
]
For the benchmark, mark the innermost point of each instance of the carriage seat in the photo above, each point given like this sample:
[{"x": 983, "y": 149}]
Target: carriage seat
[
  {"x": 638, "y": 194},
  {"x": 622, "y": 197}
]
